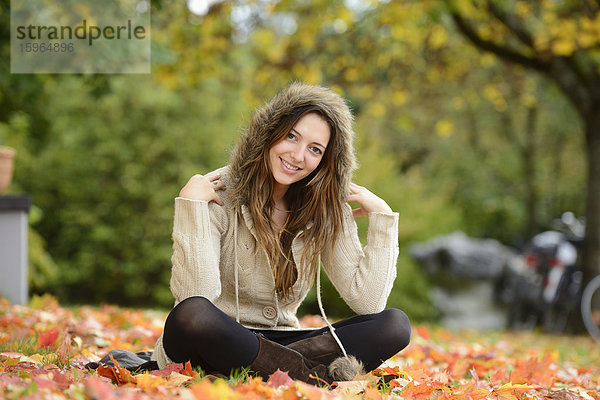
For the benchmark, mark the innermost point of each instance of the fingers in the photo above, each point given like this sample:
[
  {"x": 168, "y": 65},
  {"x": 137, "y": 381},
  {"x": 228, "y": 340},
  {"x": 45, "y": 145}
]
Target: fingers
[
  {"x": 217, "y": 199},
  {"x": 214, "y": 179},
  {"x": 354, "y": 188},
  {"x": 351, "y": 197},
  {"x": 217, "y": 184},
  {"x": 359, "y": 212},
  {"x": 368, "y": 202},
  {"x": 212, "y": 176},
  {"x": 355, "y": 192},
  {"x": 203, "y": 187}
]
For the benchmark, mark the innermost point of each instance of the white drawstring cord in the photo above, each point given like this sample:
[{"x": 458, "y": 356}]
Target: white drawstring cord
[
  {"x": 235, "y": 269},
  {"x": 331, "y": 328},
  {"x": 277, "y": 308}
]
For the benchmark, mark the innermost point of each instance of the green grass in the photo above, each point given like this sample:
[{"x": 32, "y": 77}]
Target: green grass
[{"x": 29, "y": 347}]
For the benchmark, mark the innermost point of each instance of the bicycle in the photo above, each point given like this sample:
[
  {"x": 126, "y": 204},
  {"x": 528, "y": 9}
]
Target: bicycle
[{"x": 590, "y": 307}]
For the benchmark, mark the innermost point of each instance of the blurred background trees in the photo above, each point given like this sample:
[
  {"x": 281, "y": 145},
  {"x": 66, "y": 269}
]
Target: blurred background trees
[{"x": 453, "y": 137}]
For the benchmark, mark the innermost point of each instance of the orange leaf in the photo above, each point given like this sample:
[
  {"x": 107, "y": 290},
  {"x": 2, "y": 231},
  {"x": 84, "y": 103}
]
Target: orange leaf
[
  {"x": 417, "y": 392},
  {"x": 255, "y": 388},
  {"x": 469, "y": 391},
  {"x": 594, "y": 395},
  {"x": 108, "y": 372},
  {"x": 371, "y": 394},
  {"x": 117, "y": 373},
  {"x": 533, "y": 370},
  {"x": 187, "y": 370},
  {"x": 423, "y": 332},
  {"x": 458, "y": 368},
  {"x": 511, "y": 391},
  {"x": 418, "y": 375},
  {"x": 386, "y": 371},
  {"x": 48, "y": 338}
]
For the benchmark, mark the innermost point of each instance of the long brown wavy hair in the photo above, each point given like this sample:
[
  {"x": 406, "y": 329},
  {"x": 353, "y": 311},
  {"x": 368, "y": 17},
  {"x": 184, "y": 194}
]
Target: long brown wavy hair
[{"x": 316, "y": 202}]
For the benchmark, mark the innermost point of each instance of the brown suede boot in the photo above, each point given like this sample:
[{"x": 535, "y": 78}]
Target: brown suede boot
[
  {"x": 273, "y": 356},
  {"x": 323, "y": 349}
]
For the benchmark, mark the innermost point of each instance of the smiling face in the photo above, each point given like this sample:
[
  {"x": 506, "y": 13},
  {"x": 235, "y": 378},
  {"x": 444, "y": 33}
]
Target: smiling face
[{"x": 299, "y": 153}]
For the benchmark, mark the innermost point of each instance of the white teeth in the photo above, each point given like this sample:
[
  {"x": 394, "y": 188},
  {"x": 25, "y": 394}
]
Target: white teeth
[{"x": 288, "y": 165}]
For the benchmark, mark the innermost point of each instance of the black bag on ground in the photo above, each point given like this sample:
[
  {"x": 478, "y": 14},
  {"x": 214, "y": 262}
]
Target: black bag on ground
[{"x": 128, "y": 360}]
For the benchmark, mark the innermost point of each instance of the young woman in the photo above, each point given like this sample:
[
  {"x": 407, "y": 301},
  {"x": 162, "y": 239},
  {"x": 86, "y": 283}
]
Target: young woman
[{"x": 250, "y": 238}]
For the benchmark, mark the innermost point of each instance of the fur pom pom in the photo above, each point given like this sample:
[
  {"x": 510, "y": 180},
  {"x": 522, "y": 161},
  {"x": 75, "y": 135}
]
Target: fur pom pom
[{"x": 345, "y": 368}]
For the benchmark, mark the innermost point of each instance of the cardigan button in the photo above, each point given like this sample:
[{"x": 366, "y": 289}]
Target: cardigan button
[{"x": 269, "y": 312}]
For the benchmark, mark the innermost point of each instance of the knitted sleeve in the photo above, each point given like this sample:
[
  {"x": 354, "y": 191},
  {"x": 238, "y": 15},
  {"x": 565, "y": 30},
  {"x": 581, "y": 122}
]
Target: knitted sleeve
[
  {"x": 196, "y": 250},
  {"x": 364, "y": 277}
]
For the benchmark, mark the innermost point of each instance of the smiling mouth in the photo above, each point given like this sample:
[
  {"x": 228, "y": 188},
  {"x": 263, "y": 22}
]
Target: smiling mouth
[{"x": 288, "y": 165}]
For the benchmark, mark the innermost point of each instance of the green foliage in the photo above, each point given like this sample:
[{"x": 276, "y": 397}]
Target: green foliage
[{"x": 119, "y": 155}]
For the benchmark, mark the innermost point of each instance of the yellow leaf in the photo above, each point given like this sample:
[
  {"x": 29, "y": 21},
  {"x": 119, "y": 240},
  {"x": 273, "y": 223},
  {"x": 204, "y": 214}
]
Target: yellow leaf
[
  {"x": 205, "y": 390},
  {"x": 383, "y": 60},
  {"x": 510, "y": 391},
  {"x": 487, "y": 60},
  {"x": 528, "y": 100},
  {"x": 177, "y": 379},
  {"x": 523, "y": 9},
  {"x": 563, "y": 47},
  {"x": 439, "y": 37},
  {"x": 399, "y": 97},
  {"x": 149, "y": 382},
  {"x": 398, "y": 32},
  {"x": 350, "y": 387},
  {"x": 351, "y": 74},
  {"x": 377, "y": 110},
  {"x": 444, "y": 128},
  {"x": 587, "y": 40},
  {"x": 35, "y": 358}
]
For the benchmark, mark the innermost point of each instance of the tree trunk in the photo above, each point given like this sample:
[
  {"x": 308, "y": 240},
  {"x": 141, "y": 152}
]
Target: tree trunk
[
  {"x": 529, "y": 160},
  {"x": 591, "y": 256}
]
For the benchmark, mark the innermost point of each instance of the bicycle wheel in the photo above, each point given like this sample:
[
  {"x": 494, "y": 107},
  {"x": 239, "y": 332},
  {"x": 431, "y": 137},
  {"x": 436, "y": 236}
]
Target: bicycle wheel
[{"x": 590, "y": 307}]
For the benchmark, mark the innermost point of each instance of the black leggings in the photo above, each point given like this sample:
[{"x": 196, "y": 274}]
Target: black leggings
[{"x": 198, "y": 331}]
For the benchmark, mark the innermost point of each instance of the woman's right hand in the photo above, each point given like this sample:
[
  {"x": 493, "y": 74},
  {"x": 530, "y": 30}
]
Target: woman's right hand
[{"x": 203, "y": 187}]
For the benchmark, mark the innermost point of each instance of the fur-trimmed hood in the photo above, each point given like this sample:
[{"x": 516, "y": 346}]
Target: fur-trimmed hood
[{"x": 266, "y": 119}]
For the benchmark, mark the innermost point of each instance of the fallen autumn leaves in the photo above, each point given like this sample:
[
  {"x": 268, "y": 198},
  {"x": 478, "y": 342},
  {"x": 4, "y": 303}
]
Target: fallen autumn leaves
[{"x": 44, "y": 347}]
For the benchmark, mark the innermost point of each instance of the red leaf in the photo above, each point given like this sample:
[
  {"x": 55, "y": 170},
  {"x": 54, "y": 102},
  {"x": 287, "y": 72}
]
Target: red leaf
[
  {"x": 172, "y": 367},
  {"x": 279, "y": 378},
  {"x": 48, "y": 338},
  {"x": 95, "y": 388},
  {"x": 44, "y": 383}
]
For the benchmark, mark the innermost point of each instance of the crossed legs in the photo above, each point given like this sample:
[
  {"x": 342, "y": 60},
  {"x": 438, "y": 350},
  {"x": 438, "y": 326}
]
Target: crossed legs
[{"x": 198, "y": 331}]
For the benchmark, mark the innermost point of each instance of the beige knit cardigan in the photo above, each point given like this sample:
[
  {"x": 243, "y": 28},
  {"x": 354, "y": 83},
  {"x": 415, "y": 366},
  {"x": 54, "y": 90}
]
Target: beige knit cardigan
[{"x": 209, "y": 240}]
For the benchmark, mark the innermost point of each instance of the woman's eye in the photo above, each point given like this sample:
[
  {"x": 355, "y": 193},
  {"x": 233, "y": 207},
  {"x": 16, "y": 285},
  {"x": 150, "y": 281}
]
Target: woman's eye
[
  {"x": 316, "y": 150},
  {"x": 291, "y": 136}
]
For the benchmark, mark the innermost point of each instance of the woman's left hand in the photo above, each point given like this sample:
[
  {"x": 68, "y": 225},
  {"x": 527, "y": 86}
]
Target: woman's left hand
[{"x": 367, "y": 200}]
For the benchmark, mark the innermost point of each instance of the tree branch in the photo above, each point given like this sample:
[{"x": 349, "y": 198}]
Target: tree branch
[
  {"x": 511, "y": 23},
  {"x": 502, "y": 52}
]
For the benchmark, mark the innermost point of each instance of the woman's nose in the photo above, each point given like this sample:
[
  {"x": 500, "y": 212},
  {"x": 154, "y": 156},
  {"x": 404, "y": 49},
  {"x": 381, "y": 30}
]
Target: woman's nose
[{"x": 298, "y": 154}]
